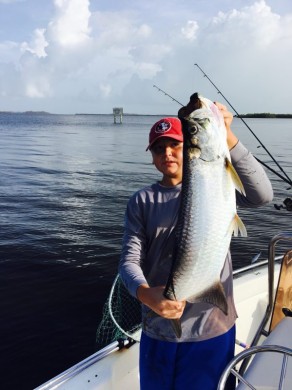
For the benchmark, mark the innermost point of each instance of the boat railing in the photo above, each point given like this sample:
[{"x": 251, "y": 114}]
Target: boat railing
[
  {"x": 246, "y": 355},
  {"x": 117, "y": 345},
  {"x": 84, "y": 364},
  {"x": 254, "y": 266},
  {"x": 284, "y": 236}
]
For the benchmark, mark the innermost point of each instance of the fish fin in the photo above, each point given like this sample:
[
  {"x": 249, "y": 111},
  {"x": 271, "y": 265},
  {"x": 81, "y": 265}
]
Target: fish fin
[
  {"x": 237, "y": 226},
  {"x": 175, "y": 323},
  {"x": 169, "y": 291},
  {"x": 235, "y": 178},
  {"x": 215, "y": 295},
  {"x": 176, "y": 326}
]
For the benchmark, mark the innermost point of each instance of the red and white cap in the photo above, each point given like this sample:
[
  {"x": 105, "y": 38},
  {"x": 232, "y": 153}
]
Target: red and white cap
[{"x": 166, "y": 127}]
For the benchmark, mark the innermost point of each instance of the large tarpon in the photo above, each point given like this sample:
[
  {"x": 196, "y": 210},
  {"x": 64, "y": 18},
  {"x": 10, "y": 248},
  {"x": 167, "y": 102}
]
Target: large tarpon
[{"x": 207, "y": 216}]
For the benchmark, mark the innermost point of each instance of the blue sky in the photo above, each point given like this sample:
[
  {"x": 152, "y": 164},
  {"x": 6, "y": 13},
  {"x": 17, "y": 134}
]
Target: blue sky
[{"x": 68, "y": 56}]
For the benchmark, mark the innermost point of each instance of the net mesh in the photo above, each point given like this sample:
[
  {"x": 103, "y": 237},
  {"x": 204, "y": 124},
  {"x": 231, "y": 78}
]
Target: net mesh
[{"x": 121, "y": 316}]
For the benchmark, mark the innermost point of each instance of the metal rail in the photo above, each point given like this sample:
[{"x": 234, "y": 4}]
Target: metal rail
[
  {"x": 230, "y": 369},
  {"x": 254, "y": 266},
  {"x": 284, "y": 236}
]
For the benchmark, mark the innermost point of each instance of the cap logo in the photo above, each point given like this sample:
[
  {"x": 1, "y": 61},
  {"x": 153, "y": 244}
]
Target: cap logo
[{"x": 162, "y": 127}]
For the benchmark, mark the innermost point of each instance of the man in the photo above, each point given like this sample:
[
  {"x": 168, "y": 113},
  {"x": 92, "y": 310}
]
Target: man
[{"x": 196, "y": 359}]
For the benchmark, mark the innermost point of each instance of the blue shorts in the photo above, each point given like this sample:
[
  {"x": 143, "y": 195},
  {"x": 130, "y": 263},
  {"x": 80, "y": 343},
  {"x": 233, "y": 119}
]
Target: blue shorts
[{"x": 185, "y": 366}]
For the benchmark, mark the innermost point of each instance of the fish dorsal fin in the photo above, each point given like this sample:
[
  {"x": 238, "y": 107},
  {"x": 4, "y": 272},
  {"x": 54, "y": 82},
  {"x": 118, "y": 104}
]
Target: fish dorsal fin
[
  {"x": 237, "y": 226},
  {"x": 235, "y": 178}
]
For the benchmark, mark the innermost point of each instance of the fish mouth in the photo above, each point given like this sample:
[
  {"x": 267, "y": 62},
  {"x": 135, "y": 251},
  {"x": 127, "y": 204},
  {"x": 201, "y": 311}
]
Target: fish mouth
[
  {"x": 194, "y": 152},
  {"x": 197, "y": 152},
  {"x": 192, "y": 142}
]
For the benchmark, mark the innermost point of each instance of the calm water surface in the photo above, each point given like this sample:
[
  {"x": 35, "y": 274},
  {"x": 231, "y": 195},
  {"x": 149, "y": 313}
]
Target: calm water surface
[{"x": 64, "y": 184}]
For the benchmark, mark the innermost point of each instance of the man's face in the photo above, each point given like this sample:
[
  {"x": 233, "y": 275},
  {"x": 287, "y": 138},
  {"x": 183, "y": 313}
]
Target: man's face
[{"x": 167, "y": 154}]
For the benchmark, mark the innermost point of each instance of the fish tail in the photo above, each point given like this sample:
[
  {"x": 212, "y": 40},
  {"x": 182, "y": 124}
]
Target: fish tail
[
  {"x": 215, "y": 296},
  {"x": 176, "y": 326}
]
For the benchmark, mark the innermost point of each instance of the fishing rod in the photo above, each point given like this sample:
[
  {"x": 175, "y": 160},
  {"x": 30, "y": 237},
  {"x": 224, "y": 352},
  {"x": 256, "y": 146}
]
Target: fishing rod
[
  {"x": 165, "y": 93},
  {"x": 285, "y": 179},
  {"x": 263, "y": 146}
]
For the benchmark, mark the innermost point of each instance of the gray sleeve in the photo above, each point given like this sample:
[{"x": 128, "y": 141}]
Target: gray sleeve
[
  {"x": 133, "y": 248},
  {"x": 257, "y": 186}
]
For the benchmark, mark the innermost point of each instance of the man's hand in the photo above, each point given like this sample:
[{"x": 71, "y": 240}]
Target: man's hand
[
  {"x": 153, "y": 298},
  {"x": 228, "y": 117}
]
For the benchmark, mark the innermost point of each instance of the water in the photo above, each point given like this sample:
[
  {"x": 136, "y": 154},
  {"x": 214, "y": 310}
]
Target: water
[{"x": 64, "y": 184}]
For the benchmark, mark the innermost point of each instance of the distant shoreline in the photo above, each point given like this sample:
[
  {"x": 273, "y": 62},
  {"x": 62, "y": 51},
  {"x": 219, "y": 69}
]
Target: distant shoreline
[
  {"x": 254, "y": 115},
  {"x": 27, "y": 112},
  {"x": 264, "y": 115},
  {"x": 76, "y": 114}
]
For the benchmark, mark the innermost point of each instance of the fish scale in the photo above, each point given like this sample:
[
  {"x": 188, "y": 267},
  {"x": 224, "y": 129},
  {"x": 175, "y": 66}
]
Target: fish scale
[{"x": 206, "y": 243}]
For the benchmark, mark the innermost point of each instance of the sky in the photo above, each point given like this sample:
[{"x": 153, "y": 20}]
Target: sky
[{"x": 88, "y": 56}]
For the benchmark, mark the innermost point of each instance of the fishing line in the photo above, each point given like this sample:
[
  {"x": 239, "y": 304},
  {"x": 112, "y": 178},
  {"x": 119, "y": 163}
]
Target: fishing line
[
  {"x": 275, "y": 161},
  {"x": 275, "y": 172}
]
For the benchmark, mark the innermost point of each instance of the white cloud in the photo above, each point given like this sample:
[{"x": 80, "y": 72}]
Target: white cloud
[
  {"x": 38, "y": 44},
  {"x": 37, "y": 89},
  {"x": 190, "y": 30},
  {"x": 105, "y": 89},
  {"x": 9, "y": 52},
  {"x": 34, "y": 77},
  {"x": 71, "y": 24},
  {"x": 116, "y": 29},
  {"x": 144, "y": 31},
  {"x": 95, "y": 56},
  {"x": 254, "y": 25},
  {"x": 151, "y": 52},
  {"x": 147, "y": 70}
]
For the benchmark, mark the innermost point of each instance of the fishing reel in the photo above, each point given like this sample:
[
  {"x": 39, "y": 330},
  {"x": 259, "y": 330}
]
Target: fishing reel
[{"x": 287, "y": 205}]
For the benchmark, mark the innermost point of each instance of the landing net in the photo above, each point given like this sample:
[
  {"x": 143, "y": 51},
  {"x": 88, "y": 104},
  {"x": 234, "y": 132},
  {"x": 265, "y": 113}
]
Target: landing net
[{"x": 121, "y": 316}]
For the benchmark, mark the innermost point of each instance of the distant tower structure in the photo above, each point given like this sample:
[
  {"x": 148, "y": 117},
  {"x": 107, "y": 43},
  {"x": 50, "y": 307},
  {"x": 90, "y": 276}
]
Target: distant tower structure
[{"x": 118, "y": 112}]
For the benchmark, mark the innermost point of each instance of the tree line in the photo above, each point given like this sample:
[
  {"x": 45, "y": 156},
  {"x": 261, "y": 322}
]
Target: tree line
[{"x": 265, "y": 115}]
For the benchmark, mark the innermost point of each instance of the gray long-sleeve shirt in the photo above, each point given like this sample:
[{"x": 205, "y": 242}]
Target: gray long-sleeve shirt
[{"x": 148, "y": 245}]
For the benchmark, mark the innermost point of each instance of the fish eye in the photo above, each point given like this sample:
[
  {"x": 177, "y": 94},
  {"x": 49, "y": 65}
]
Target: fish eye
[{"x": 193, "y": 127}]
